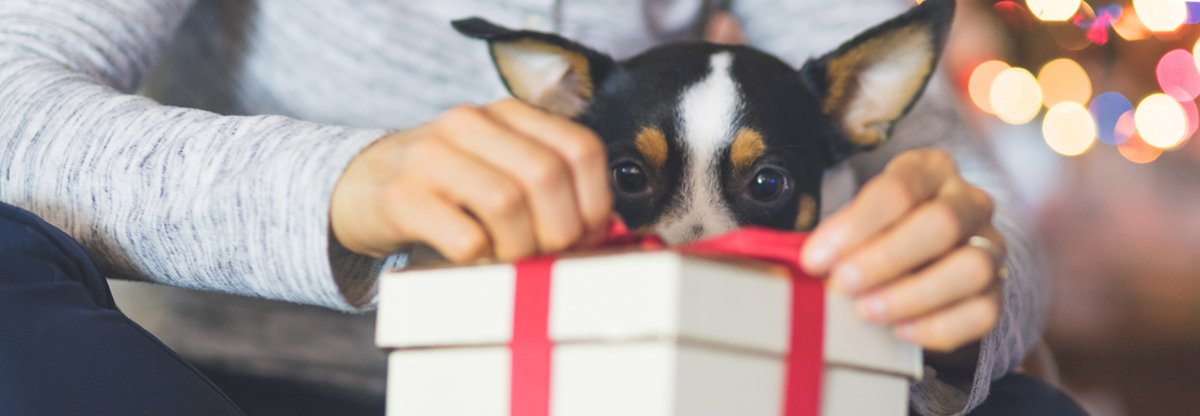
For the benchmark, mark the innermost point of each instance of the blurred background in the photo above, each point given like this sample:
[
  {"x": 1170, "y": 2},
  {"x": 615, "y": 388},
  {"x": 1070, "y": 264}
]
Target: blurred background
[{"x": 1091, "y": 108}]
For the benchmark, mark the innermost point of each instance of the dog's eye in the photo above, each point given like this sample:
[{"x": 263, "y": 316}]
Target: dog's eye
[
  {"x": 629, "y": 177},
  {"x": 767, "y": 184}
]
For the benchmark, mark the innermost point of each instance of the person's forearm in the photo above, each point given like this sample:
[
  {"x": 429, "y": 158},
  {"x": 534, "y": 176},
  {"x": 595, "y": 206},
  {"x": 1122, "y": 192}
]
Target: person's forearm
[{"x": 179, "y": 196}]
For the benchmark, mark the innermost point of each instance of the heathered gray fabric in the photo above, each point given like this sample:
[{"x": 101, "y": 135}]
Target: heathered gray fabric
[{"x": 222, "y": 182}]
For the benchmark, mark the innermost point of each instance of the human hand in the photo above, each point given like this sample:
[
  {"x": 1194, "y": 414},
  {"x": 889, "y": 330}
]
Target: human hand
[
  {"x": 900, "y": 248},
  {"x": 501, "y": 181}
]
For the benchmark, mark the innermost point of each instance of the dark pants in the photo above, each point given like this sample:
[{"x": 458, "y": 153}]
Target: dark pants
[
  {"x": 1019, "y": 394},
  {"x": 66, "y": 350}
]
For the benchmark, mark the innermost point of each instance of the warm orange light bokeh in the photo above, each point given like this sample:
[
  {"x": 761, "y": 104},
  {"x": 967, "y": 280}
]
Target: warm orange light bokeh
[
  {"x": 1064, "y": 80},
  {"x": 1129, "y": 26},
  {"x": 1137, "y": 151},
  {"x": 1015, "y": 96},
  {"x": 979, "y": 87}
]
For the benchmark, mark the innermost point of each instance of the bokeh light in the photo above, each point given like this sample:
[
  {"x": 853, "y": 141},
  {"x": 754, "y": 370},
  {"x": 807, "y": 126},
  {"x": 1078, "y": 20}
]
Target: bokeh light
[
  {"x": 1193, "y": 12},
  {"x": 1053, "y": 10},
  {"x": 1064, "y": 80},
  {"x": 1107, "y": 108},
  {"x": 1161, "y": 121},
  {"x": 1161, "y": 15},
  {"x": 1137, "y": 151},
  {"x": 1069, "y": 129},
  {"x": 1085, "y": 14},
  {"x": 1072, "y": 35},
  {"x": 1068, "y": 36},
  {"x": 1129, "y": 26},
  {"x": 1196, "y": 53},
  {"x": 1097, "y": 21},
  {"x": 1015, "y": 96},
  {"x": 1015, "y": 14},
  {"x": 1078, "y": 113},
  {"x": 1192, "y": 114},
  {"x": 979, "y": 87},
  {"x": 1126, "y": 127},
  {"x": 1177, "y": 75}
]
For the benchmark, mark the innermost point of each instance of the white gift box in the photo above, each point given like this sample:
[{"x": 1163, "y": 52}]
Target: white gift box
[{"x": 634, "y": 334}]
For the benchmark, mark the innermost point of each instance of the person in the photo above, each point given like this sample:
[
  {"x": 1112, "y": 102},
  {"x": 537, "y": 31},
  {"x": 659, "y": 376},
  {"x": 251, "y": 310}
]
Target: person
[{"x": 291, "y": 145}]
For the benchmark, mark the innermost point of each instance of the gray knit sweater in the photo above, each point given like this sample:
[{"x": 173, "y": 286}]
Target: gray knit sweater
[{"x": 221, "y": 181}]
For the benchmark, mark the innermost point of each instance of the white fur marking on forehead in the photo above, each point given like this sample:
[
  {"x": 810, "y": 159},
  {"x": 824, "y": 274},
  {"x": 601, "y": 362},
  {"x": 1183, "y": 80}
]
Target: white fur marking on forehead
[
  {"x": 708, "y": 112},
  {"x": 707, "y": 109}
]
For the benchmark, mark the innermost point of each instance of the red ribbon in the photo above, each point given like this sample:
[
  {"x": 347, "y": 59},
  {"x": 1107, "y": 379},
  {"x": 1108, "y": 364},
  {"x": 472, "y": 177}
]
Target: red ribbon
[{"x": 531, "y": 347}]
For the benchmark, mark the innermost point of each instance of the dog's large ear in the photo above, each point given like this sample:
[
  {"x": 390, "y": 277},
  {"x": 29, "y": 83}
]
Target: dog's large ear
[
  {"x": 873, "y": 80},
  {"x": 542, "y": 69}
]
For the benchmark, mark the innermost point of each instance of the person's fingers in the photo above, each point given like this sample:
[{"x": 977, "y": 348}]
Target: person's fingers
[
  {"x": 908, "y": 181},
  {"x": 442, "y": 225},
  {"x": 482, "y": 190},
  {"x": 953, "y": 327},
  {"x": 964, "y": 273},
  {"x": 577, "y": 145},
  {"x": 926, "y": 233},
  {"x": 543, "y": 177}
]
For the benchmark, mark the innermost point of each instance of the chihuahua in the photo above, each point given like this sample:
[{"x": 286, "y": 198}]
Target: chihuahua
[{"x": 704, "y": 138}]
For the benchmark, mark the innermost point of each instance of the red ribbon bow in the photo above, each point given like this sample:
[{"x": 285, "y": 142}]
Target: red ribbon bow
[{"x": 531, "y": 346}]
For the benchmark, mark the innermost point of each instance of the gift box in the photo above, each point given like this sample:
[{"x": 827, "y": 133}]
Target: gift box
[{"x": 653, "y": 333}]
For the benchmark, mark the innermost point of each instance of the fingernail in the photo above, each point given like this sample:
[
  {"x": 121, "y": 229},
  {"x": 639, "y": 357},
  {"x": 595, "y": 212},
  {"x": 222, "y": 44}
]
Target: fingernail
[
  {"x": 818, "y": 257},
  {"x": 907, "y": 332},
  {"x": 847, "y": 278},
  {"x": 873, "y": 308}
]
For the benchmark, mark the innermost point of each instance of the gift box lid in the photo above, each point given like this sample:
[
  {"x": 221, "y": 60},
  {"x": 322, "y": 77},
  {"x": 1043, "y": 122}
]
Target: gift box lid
[{"x": 735, "y": 306}]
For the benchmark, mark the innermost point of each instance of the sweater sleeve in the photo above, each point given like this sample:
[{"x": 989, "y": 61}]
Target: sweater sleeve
[
  {"x": 934, "y": 122},
  {"x": 165, "y": 194}
]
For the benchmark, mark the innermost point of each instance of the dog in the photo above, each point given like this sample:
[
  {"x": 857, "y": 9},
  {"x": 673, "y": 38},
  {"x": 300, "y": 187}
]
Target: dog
[{"x": 704, "y": 138}]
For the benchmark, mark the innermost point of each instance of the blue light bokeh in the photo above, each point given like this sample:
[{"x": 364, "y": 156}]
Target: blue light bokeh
[{"x": 1107, "y": 108}]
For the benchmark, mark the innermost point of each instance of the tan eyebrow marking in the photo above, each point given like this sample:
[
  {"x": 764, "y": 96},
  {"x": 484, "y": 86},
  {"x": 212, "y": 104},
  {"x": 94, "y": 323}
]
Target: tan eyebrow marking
[
  {"x": 747, "y": 147},
  {"x": 806, "y": 215},
  {"x": 651, "y": 142}
]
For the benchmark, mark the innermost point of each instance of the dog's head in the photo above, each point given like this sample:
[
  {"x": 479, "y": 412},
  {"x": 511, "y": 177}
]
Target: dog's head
[{"x": 703, "y": 138}]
